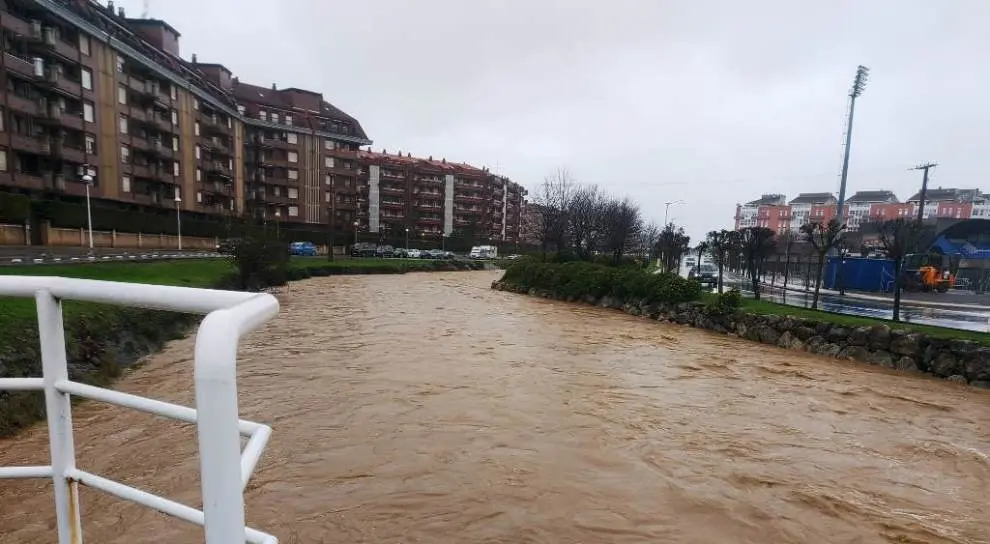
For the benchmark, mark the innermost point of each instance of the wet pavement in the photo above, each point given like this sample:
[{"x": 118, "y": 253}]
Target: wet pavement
[{"x": 969, "y": 319}]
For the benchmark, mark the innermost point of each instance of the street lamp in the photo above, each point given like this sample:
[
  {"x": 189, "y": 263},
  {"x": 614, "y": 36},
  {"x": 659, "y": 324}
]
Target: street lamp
[
  {"x": 407, "y": 239},
  {"x": 666, "y": 210},
  {"x": 178, "y": 219},
  {"x": 356, "y": 225},
  {"x": 88, "y": 181},
  {"x": 278, "y": 215}
]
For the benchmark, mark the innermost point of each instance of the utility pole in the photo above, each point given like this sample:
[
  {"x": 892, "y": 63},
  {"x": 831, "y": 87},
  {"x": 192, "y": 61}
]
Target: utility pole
[
  {"x": 924, "y": 189},
  {"x": 859, "y": 84}
]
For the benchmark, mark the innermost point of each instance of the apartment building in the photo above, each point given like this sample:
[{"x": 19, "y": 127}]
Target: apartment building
[
  {"x": 434, "y": 198},
  {"x": 860, "y": 208},
  {"x": 91, "y": 91}
]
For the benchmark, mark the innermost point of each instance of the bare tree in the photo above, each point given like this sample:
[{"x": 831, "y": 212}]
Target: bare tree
[
  {"x": 551, "y": 202},
  {"x": 648, "y": 238},
  {"x": 584, "y": 218},
  {"x": 785, "y": 243},
  {"x": 756, "y": 244},
  {"x": 672, "y": 244},
  {"x": 899, "y": 237},
  {"x": 622, "y": 224},
  {"x": 721, "y": 244},
  {"x": 823, "y": 238}
]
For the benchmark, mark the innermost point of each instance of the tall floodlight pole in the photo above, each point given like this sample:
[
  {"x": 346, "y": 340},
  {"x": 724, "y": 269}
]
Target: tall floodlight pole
[
  {"x": 859, "y": 84},
  {"x": 924, "y": 189}
]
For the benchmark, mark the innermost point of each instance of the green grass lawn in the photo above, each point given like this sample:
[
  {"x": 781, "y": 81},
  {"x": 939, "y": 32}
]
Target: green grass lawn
[{"x": 763, "y": 307}]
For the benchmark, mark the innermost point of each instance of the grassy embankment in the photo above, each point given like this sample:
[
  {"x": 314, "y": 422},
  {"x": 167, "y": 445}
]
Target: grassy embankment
[{"x": 102, "y": 340}]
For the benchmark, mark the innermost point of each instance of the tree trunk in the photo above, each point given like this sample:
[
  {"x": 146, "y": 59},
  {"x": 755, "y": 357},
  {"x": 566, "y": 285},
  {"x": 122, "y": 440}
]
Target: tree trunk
[
  {"x": 754, "y": 277},
  {"x": 721, "y": 266},
  {"x": 897, "y": 290},
  {"x": 787, "y": 267},
  {"x": 818, "y": 280}
]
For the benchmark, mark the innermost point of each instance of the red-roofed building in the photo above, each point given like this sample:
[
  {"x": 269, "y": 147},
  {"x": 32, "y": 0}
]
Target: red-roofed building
[{"x": 434, "y": 198}]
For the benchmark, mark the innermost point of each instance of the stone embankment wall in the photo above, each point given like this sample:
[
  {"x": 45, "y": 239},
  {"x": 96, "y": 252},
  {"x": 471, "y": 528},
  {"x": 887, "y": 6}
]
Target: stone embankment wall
[{"x": 960, "y": 361}]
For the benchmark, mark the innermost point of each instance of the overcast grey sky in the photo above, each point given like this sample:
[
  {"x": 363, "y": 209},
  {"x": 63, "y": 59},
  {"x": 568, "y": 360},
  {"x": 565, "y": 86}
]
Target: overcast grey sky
[{"x": 713, "y": 102}]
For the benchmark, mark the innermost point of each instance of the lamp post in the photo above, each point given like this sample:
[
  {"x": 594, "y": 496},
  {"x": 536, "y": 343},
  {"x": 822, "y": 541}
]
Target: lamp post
[
  {"x": 88, "y": 181},
  {"x": 407, "y": 240},
  {"x": 278, "y": 215},
  {"x": 666, "y": 210},
  {"x": 178, "y": 219},
  {"x": 356, "y": 225},
  {"x": 443, "y": 242}
]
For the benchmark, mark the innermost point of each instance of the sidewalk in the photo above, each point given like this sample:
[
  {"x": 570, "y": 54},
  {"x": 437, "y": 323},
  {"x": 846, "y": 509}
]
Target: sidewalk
[{"x": 977, "y": 304}]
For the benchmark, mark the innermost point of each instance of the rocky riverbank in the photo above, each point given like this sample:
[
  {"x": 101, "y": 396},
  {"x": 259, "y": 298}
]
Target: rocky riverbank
[{"x": 962, "y": 361}]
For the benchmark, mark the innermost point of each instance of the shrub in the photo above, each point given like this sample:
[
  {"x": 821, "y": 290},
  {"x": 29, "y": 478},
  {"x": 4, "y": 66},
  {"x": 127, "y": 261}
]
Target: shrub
[
  {"x": 261, "y": 258},
  {"x": 724, "y": 304},
  {"x": 577, "y": 279}
]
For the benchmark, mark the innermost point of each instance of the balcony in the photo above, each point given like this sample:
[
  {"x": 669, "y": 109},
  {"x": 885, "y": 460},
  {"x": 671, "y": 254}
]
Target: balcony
[
  {"x": 217, "y": 147},
  {"x": 15, "y": 24},
  {"x": 141, "y": 170},
  {"x": 44, "y": 40},
  {"x": 28, "y": 144},
  {"x": 213, "y": 124},
  {"x": 393, "y": 204},
  {"x": 139, "y": 144},
  {"x": 157, "y": 149},
  {"x": 52, "y": 115},
  {"x": 68, "y": 153},
  {"x": 17, "y": 65},
  {"x": 466, "y": 197},
  {"x": 219, "y": 169},
  {"x": 219, "y": 188},
  {"x": 23, "y": 105},
  {"x": 272, "y": 143},
  {"x": 57, "y": 82},
  {"x": 392, "y": 190},
  {"x": 165, "y": 174}
]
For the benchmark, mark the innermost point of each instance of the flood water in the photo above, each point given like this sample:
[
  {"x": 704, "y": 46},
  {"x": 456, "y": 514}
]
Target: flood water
[{"x": 429, "y": 408}]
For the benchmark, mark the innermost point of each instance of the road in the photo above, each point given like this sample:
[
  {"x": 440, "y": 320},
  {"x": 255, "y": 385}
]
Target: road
[{"x": 22, "y": 256}]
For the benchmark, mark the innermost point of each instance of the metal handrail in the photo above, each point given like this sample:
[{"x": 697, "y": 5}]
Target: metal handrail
[{"x": 225, "y": 470}]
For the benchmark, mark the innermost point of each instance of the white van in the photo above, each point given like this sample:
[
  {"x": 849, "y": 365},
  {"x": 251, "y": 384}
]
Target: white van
[{"x": 483, "y": 252}]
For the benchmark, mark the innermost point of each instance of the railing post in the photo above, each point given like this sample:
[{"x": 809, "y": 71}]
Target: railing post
[
  {"x": 51, "y": 332},
  {"x": 217, "y": 429}
]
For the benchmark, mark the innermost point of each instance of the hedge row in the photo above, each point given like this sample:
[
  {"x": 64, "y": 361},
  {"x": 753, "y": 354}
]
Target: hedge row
[{"x": 576, "y": 280}]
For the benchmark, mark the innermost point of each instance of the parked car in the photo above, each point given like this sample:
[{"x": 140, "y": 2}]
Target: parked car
[
  {"x": 304, "y": 249},
  {"x": 384, "y": 251},
  {"x": 400, "y": 252},
  {"x": 706, "y": 274},
  {"x": 413, "y": 254},
  {"x": 228, "y": 246}
]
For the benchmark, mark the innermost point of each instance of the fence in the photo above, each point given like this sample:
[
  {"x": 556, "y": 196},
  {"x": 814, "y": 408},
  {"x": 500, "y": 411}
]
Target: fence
[
  {"x": 224, "y": 469},
  {"x": 62, "y": 237}
]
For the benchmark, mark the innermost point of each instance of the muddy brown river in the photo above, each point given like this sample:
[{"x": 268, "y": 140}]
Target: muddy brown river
[{"x": 429, "y": 408}]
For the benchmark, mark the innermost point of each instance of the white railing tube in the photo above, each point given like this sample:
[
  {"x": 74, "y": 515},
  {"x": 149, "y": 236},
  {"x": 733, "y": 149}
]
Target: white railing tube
[
  {"x": 22, "y": 384},
  {"x": 141, "y": 404},
  {"x": 25, "y": 472},
  {"x": 59, "y": 409},
  {"x": 252, "y": 453}
]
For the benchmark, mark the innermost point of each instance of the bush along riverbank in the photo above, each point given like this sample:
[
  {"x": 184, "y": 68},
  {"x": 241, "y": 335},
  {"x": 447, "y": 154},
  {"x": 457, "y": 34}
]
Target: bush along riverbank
[
  {"x": 103, "y": 340},
  {"x": 956, "y": 359}
]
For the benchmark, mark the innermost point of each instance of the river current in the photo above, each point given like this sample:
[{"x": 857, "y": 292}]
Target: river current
[{"x": 430, "y": 408}]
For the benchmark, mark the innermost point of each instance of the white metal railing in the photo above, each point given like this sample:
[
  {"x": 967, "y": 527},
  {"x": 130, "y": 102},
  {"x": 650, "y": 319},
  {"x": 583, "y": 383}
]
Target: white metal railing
[{"x": 225, "y": 470}]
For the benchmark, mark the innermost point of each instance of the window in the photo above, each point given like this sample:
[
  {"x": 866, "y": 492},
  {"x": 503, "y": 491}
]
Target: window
[
  {"x": 122, "y": 94},
  {"x": 125, "y": 154},
  {"x": 1, "y": 119},
  {"x": 328, "y": 162},
  {"x": 263, "y": 115},
  {"x": 90, "y": 144},
  {"x": 125, "y": 183},
  {"x": 199, "y": 174},
  {"x": 175, "y": 168},
  {"x": 177, "y": 194},
  {"x": 293, "y": 156},
  {"x": 123, "y": 124},
  {"x": 195, "y": 103},
  {"x": 328, "y": 144},
  {"x": 277, "y": 190},
  {"x": 241, "y": 109},
  {"x": 293, "y": 211},
  {"x": 326, "y": 197},
  {"x": 88, "y": 115},
  {"x": 292, "y": 138},
  {"x": 120, "y": 63},
  {"x": 328, "y": 179},
  {"x": 293, "y": 173},
  {"x": 3, "y": 160},
  {"x": 293, "y": 193},
  {"x": 347, "y": 165},
  {"x": 84, "y": 43},
  {"x": 173, "y": 92},
  {"x": 87, "y": 79},
  {"x": 198, "y": 152},
  {"x": 274, "y": 118},
  {"x": 199, "y": 196},
  {"x": 288, "y": 120},
  {"x": 175, "y": 118},
  {"x": 175, "y": 143},
  {"x": 196, "y": 128},
  {"x": 230, "y": 124}
]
